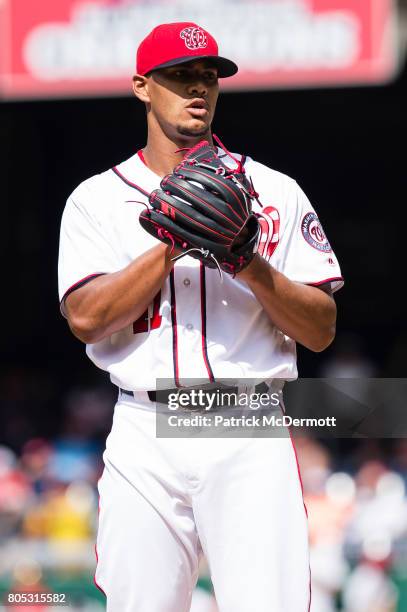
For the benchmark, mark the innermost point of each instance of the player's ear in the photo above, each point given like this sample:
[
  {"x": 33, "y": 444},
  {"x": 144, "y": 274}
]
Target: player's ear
[{"x": 140, "y": 88}]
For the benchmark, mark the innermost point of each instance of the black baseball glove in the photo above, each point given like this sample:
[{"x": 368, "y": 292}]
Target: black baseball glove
[{"x": 204, "y": 209}]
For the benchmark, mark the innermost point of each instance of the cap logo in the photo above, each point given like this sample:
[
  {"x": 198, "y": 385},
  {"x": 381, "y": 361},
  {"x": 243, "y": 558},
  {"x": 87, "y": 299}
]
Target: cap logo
[{"x": 194, "y": 38}]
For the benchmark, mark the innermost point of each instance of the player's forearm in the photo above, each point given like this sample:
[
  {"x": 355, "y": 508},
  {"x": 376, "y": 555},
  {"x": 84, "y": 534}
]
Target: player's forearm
[
  {"x": 111, "y": 302},
  {"x": 306, "y": 314}
]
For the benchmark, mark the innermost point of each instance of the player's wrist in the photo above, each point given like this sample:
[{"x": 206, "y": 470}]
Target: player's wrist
[
  {"x": 251, "y": 271},
  {"x": 170, "y": 252}
]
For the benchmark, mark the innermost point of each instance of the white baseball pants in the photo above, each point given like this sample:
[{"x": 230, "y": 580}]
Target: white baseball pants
[{"x": 164, "y": 501}]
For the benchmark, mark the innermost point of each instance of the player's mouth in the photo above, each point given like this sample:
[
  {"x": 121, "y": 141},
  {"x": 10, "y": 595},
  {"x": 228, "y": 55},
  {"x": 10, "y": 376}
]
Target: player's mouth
[{"x": 198, "y": 108}]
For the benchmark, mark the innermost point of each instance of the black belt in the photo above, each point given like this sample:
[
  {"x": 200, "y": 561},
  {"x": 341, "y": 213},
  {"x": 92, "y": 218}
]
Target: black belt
[{"x": 162, "y": 395}]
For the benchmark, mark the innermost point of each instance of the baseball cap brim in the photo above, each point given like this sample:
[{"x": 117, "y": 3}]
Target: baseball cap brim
[{"x": 226, "y": 68}]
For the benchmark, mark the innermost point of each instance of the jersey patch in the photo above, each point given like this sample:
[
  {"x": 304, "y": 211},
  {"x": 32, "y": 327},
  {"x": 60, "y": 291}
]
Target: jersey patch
[{"x": 313, "y": 233}]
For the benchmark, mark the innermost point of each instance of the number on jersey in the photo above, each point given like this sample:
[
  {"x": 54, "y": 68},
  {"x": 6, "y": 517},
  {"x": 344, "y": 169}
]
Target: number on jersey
[{"x": 150, "y": 319}]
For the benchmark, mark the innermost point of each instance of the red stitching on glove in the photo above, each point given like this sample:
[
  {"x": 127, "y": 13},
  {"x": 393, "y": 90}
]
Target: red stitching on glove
[
  {"x": 231, "y": 191},
  {"x": 211, "y": 206},
  {"x": 162, "y": 233}
]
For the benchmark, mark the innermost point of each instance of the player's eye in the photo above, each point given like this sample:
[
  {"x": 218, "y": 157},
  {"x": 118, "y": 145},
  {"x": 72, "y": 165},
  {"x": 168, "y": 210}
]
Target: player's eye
[
  {"x": 182, "y": 74},
  {"x": 186, "y": 75},
  {"x": 210, "y": 77}
]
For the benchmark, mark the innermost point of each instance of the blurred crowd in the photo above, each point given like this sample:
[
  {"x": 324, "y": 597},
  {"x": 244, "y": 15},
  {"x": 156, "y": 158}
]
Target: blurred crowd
[
  {"x": 357, "y": 513},
  {"x": 354, "y": 491},
  {"x": 48, "y": 504}
]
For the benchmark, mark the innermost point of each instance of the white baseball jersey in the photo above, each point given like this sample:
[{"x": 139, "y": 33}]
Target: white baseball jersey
[{"x": 197, "y": 326}]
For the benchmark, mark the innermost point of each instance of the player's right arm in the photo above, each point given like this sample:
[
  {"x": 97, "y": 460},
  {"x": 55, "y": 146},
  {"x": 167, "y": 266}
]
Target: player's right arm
[
  {"x": 111, "y": 302},
  {"x": 100, "y": 292}
]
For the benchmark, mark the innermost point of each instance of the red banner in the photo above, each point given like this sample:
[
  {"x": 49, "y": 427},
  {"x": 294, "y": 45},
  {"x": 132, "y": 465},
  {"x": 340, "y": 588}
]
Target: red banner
[{"x": 88, "y": 47}]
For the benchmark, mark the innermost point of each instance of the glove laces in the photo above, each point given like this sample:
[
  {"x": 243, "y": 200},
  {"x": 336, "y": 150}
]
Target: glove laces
[
  {"x": 137, "y": 202},
  {"x": 240, "y": 169},
  {"x": 252, "y": 193},
  {"x": 206, "y": 253}
]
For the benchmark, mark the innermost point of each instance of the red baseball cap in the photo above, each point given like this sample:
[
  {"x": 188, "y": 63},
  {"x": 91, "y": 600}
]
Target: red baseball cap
[{"x": 170, "y": 44}]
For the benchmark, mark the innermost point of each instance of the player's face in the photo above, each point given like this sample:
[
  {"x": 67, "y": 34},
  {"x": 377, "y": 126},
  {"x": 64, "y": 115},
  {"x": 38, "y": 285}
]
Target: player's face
[{"x": 182, "y": 99}]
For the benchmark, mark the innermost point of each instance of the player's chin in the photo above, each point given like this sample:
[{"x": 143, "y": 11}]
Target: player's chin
[{"x": 194, "y": 128}]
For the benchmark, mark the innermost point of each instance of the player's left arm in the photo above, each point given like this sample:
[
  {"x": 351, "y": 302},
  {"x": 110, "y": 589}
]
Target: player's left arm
[{"x": 305, "y": 313}]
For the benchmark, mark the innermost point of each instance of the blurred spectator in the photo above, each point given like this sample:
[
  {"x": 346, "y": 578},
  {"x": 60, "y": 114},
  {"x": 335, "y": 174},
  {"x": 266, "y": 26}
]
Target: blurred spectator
[
  {"x": 27, "y": 578},
  {"x": 348, "y": 359},
  {"x": 88, "y": 413},
  {"x": 64, "y": 513},
  {"x": 399, "y": 457},
  {"x": 74, "y": 459},
  {"x": 380, "y": 516},
  {"x": 329, "y": 501},
  {"x": 369, "y": 590},
  {"x": 35, "y": 460},
  {"x": 15, "y": 492}
]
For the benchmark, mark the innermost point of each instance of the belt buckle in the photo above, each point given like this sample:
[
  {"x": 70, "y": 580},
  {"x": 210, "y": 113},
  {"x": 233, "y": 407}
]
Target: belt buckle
[
  {"x": 199, "y": 409},
  {"x": 216, "y": 406}
]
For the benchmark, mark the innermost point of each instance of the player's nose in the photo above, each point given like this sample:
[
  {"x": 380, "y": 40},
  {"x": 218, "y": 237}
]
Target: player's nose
[{"x": 198, "y": 88}]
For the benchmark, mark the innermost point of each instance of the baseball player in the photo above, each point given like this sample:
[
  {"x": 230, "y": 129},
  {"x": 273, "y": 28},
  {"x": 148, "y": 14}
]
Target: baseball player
[{"x": 221, "y": 292}]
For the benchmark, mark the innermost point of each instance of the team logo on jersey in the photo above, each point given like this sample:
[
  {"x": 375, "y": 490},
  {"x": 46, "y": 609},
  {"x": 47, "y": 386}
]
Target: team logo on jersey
[
  {"x": 314, "y": 234},
  {"x": 194, "y": 38}
]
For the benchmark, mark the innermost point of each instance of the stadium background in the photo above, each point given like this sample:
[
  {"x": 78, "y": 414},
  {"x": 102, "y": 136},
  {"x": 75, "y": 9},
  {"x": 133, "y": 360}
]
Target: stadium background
[{"x": 346, "y": 148}]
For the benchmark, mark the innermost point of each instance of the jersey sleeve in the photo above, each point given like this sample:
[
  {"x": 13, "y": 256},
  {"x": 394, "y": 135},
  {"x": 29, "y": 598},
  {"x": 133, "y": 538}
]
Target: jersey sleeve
[
  {"x": 305, "y": 253},
  {"x": 85, "y": 249}
]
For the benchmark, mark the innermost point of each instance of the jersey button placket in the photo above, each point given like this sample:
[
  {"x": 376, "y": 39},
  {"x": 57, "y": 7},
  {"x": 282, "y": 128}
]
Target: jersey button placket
[
  {"x": 187, "y": 283},
  {"x": 191, "y": 362}
]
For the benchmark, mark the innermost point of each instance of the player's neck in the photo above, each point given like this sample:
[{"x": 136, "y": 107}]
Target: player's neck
[{"x": 161, "y": 156}]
